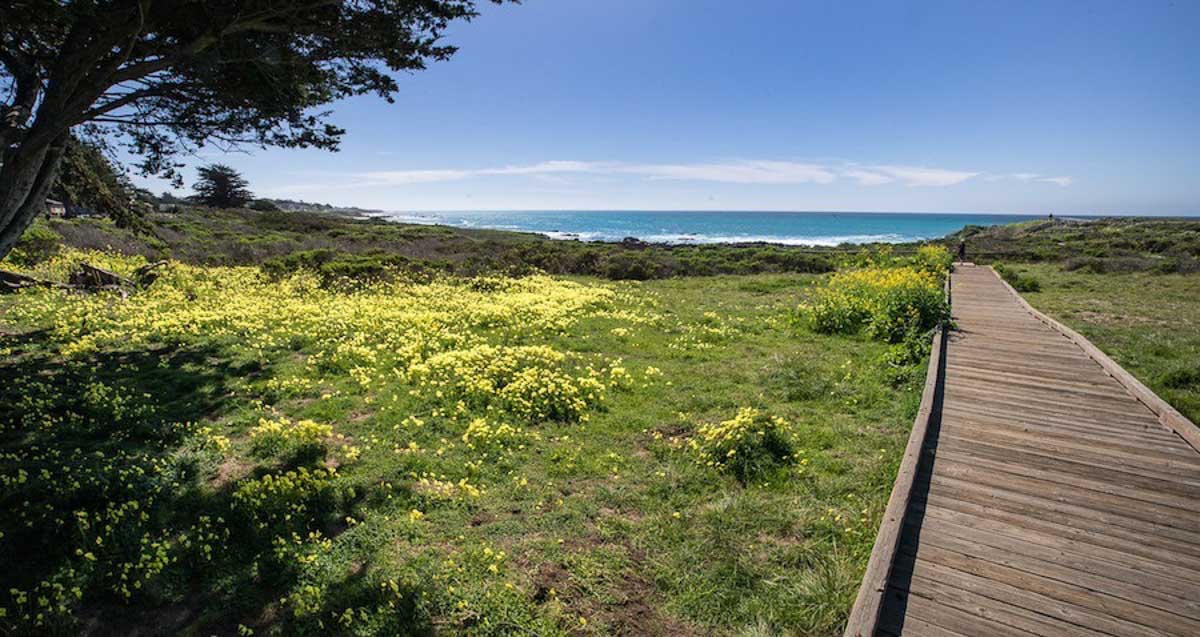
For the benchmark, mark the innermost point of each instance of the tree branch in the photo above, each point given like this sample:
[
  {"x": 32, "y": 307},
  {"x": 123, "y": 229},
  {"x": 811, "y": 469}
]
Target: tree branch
[{"x": 116, "y": 103}]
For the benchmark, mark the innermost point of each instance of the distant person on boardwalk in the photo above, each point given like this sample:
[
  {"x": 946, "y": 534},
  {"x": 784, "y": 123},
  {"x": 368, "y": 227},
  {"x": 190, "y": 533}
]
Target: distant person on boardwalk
[{"x": 962, "y": 251}]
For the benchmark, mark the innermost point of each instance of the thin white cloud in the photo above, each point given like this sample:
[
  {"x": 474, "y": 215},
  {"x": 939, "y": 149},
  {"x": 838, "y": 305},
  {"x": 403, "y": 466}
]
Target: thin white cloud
[
  {"x": 867, "y": 177},
  {"x": 739, "y": 172},
  {"x": 744, "y": 171},
  {"x": 403, "y": 177},
  {"x": 921, "y": 176},
  {"x": 1035, "y": 177},
  {"x": 545, "y": 167}
]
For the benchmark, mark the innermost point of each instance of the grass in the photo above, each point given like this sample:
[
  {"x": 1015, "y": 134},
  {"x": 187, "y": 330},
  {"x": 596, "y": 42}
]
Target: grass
[
  {"x": 227, "y": 452},
  {"x": 1149, "y": 323}
]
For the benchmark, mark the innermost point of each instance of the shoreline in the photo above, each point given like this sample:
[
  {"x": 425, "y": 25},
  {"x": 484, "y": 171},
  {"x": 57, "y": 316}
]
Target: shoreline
[{"x": 675, "y": 239}]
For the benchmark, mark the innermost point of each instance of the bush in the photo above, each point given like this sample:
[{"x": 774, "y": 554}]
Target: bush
[
  {"x": 889, "y": 303},
  {"x": 37, "y": 244},
  {"x": 264, "y": 205},
  {"x": 901, "y": 359},
  {"x": 292, "y": 502},
  {"x": 1020, "y": 281},
  {"x": 529, "y": 382},
  {"x": 273, "y": 436},
  {"x": 1109, "y": 265},
  {"x": 629, "y": 265},
  {"x": 748, "y": 445},
  {"x": 334, "y": 266},
  {"x": 933, "y": 258}
]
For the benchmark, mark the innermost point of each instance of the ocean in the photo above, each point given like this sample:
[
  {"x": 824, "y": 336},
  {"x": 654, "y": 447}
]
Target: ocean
[{"x": 791, "y": 228}]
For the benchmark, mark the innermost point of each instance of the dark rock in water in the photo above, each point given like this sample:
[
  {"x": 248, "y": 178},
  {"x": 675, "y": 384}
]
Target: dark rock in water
[{"x": 634, "y": 242}]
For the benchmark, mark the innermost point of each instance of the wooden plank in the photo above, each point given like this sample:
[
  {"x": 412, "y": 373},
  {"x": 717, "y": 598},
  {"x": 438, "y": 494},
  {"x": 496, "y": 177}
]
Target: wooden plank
[
  {"x": 1100, "y": 391},
  {"x": 1096, "y": 398},
  {"x": 1159, "y": 466},
  {"x": 1048, "y": 468},
  {"x": 953, "y": 619},
  {"x": 1081, "y": 568},
  {"x": 893, "y": 627},
  {"x": 1010, "y": 571},
  {"x": 1167, "y": 455},
  {"x": 1079, "y": 518},
  {"x": 1072, "y": 617},
  {"x": 1043, "y": 401},
  {"x": 997, "y": 397},
  {"x": 1157, "y": 519},
  {"x": 1037, "y": 458},
  {"x": 1165, "y": 566},
  {"x": 1149, "y": 433}
]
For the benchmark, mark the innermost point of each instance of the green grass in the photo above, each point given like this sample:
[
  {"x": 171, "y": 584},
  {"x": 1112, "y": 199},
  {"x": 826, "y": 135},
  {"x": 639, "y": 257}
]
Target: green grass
[
  {"x": 610, "y": 525},
  {"x": 1149, "y": 323}
]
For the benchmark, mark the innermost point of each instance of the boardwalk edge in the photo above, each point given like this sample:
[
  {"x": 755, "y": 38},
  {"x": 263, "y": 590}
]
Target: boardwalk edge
[
  {"x": 864, "y": 615},
  {"x": 1167, "y": 415}
]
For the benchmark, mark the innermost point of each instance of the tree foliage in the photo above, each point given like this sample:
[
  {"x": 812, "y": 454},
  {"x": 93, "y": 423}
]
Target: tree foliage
[
  {"x": 88, "y": 179},
  {"x": 220, "y": 186},
  {"x": 168, "y": 76}
]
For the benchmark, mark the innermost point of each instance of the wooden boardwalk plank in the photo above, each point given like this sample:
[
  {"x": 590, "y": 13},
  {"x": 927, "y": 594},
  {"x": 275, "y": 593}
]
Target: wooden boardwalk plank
[{"x": 1053, "y": 495}]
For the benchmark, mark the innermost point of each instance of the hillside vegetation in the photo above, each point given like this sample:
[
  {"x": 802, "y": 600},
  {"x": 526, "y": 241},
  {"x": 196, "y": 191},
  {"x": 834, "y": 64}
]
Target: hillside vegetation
[
  {"x": 1098, "y": 246},
  {"x": 343, "y": 246}
]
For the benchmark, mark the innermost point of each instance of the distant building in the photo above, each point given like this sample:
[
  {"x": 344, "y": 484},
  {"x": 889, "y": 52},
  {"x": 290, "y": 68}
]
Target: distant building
[
  {"x": 81, "y": 211},
  {"x": 55, "y": 208}
]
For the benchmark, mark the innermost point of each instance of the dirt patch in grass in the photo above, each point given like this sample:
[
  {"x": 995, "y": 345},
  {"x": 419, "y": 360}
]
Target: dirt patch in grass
[{"x": 230, "y": 471}]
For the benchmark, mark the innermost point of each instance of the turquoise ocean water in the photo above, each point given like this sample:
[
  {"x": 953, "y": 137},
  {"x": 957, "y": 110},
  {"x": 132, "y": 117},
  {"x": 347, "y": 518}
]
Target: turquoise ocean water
[{"x": 793, "y": 228}]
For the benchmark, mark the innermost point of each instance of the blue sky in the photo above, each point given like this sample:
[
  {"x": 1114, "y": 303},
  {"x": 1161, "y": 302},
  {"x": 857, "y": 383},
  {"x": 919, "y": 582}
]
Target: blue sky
[{"x": 967, "y": 106}]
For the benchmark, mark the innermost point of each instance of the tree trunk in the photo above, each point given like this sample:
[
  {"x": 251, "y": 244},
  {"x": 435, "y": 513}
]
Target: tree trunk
[{"x": 25, "y": 181}]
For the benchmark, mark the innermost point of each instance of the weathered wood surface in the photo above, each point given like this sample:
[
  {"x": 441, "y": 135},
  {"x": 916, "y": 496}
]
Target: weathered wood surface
[{"x": 1052, "y": 497}]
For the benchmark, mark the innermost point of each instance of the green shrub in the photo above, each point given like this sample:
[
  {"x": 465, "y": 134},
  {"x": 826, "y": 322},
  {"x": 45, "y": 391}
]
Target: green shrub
[
  {"x": 889, "y": 303},
  {"x": 334, "y": 266},
  {"x": 1020, "y": 281},
  {"x": 37, "y": 244},
  {"x": 273, "y": 436},
  {"x": 629, "y": 265},
  {"x": 292, "y": 502},
  {"x": 264, "y": 205},
  {"x": 902, "y": 360},
  {"x": 933, "y": 258},
  {"x": 747, "y": 446}
]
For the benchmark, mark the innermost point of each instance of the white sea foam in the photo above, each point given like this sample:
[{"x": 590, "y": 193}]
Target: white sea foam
[
  {"x": 668, "y": 235},
  {"x": 782, "y": 240}
]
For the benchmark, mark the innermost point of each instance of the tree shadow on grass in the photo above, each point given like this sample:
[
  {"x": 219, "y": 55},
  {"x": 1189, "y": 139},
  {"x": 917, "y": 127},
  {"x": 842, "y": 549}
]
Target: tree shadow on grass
[
  {"x": 82, "y": 438},
  {"x": 88, "y": 436}
]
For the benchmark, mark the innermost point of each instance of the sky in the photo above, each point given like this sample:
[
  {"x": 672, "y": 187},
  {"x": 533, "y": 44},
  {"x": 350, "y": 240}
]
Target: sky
[{"x": 959, "y": 106}]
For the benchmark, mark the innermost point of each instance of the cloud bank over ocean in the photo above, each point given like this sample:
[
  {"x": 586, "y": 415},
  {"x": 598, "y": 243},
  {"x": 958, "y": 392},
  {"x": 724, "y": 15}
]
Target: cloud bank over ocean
[{"x": 739, "y": 171}]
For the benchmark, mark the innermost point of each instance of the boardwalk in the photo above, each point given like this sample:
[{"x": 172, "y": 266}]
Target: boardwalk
[{"x": 1047, "y": 499}]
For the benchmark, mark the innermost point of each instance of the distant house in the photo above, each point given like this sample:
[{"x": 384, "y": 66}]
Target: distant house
[{"x": 55, "y": 208}]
